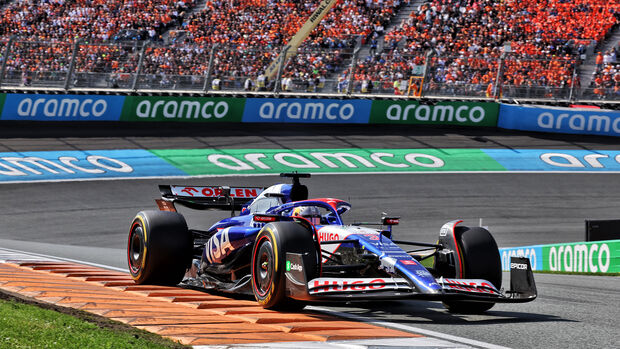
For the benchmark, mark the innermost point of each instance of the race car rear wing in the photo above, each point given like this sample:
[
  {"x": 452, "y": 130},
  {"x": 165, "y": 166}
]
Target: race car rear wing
[{"x": 206, "y": 198}]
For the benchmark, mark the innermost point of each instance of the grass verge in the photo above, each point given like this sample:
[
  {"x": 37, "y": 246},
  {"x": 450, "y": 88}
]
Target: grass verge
[{"x": 26, "y": 323}]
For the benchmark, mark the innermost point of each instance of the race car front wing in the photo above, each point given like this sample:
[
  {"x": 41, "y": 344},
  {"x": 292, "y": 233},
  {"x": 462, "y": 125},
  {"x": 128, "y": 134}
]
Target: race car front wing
[{"x": 522, "y": 286}]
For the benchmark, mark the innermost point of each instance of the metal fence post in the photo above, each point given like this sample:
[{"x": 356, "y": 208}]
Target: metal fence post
[
  {"x": 498, "y": 79},
  {"x": 7, "y": 52},
  {"x": 134, "y": 84},
  {"x": 206, "y": 87},
  {"x": 276, "y": 88},
  {"x": 571, "y": 93},
  {"x": 427, "y": 65},
  {"x": 352, "y": 70},
  {"x": 76, "y": 45}
]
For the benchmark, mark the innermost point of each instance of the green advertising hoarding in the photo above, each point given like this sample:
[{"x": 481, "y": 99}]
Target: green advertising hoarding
[
  {"x": 583, "y": 257},
  {"x": 441, "y": 113},
  {"x": 188, "y": 109},
  {"x": 2, "y": 99},
  {"x": 197, "y": 162}
]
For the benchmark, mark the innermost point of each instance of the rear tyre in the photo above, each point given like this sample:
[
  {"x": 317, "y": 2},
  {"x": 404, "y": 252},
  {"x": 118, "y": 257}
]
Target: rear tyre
[
  {"x": 269, "y": 262},
  {"x": 481, "y": 260},
  {"x": 159, "y": 248}
]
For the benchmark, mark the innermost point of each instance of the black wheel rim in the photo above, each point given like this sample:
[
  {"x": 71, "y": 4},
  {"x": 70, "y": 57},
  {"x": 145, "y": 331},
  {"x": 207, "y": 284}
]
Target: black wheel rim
[
  {"x": 136, "y": 248},
  {"x": 263, "y": 268}
]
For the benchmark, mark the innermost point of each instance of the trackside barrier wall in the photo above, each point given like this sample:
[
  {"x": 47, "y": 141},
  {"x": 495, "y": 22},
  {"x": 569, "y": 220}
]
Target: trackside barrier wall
[
  {"x": 576, "y": 257},
  {"x": 43, "y": 107},
  {"x": 187, "y": 109},
  {"x": 560, "y": 120},
  {"x": 441, "y": 113}
]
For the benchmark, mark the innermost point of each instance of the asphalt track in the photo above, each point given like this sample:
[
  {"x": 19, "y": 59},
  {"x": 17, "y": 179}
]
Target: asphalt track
[{"x": 88, "y": 220}]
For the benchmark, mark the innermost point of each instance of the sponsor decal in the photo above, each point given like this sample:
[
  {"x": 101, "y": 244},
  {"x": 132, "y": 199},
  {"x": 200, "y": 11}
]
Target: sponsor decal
[
  {"x": 448, "y": 228},
  {"x": 68, "y": 165},
  {"x": 327, "y": 236},
  {"x": 518, "y": 266},
  {"x": 307, "y": 110},
  {"x": 424, "y": 273},
  {"x": 478, "y": 286},
  {"x": 560, "y": 120},
  {"x": 444, "y": 231},
  {"x": 578, "y": 257},
  {"x": 218, "y": 246},
  {"x": 293, "y": 266},
  {"x": 323, "y": 285},
  {"x": 595, "y": 257},
  {"x": 213, "y": 161},
  {"x": 318, "y": 13},
  {"x": 445, "y": 113},
  {"x": 41, "y": 107},
  {"x": 188, "y": 109},
  {"x": 211, "y": 192},
  {"x": 558, "y": 160},
  {"x": 534, "y": 253},
  {"x": 408, "y": 262}
]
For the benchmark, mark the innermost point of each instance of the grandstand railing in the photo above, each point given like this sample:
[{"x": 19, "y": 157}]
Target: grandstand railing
[{"x": 145, "y": 66}]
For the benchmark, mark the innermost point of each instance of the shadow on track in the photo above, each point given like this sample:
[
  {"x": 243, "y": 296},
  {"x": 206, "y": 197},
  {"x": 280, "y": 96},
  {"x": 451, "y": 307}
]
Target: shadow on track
[{"x": 423, "y": 312}]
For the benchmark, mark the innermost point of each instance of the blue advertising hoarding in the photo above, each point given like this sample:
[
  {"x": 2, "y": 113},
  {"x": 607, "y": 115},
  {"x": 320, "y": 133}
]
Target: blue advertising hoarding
[
  {"x": 560, "y": 120},
  {"x": 42, "y": 107},
  {"x": 534, "y": 253},
  {"x": 331, "y": 111}
]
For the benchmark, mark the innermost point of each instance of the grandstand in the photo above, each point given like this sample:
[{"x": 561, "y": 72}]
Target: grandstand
[{"x": 546, "y": 50}]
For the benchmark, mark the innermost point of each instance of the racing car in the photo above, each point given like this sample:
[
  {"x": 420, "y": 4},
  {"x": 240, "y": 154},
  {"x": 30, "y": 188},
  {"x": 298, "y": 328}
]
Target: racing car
[{"x": 288, "y": 250}]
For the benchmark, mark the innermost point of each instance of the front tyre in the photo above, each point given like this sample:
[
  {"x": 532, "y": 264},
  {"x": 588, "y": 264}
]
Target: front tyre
[
  {"x": 159, "y": 248},
  {"x": 480, "y": 260},
  {"x": 269, "y": 262}
]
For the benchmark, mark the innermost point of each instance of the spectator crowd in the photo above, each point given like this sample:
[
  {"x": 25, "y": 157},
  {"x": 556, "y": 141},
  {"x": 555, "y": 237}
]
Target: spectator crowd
[
  {"x": 606, "y": 78},
  {"x": 468, "y": 37},
  {"x": 534, "y": 46}
]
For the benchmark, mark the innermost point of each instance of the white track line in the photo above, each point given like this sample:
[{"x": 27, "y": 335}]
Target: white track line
[
  {"x": 28, "y": 256},
  {"x": 384, "y": 343},
  {"x": 313, "y": 173}
]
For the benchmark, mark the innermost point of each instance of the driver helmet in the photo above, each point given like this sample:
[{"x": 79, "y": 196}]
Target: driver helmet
[{"x": 310, "y": 213}]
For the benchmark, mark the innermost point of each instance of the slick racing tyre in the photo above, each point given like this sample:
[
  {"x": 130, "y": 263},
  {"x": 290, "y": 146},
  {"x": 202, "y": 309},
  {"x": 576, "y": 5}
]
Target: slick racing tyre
[
  {"x": 481, "y": 260},
  {"x": 269, "y": 262},
  {"x": 159, "y": 248}
]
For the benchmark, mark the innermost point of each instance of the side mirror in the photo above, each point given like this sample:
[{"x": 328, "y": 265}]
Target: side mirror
[{"x": 390, "y": 220}]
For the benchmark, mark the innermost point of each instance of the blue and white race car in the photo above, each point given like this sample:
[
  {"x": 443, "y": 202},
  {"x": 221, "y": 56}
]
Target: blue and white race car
[{"x": 288, "y": 250}]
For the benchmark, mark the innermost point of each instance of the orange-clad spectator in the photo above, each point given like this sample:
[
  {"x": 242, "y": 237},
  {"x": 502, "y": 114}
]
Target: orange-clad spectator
[
  {"x": 489, "y": 91},
  {"x": 599, "y": 60}
]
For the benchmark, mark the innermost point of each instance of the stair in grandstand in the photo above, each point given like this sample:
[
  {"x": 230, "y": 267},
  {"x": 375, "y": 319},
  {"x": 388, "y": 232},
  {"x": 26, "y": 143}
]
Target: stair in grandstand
[
  {"x": 398, "y": 19},
  {"x": 403, "y": 15},
  {"x": 198, "y": 6},
  {"x": 588, "y": 68}
]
